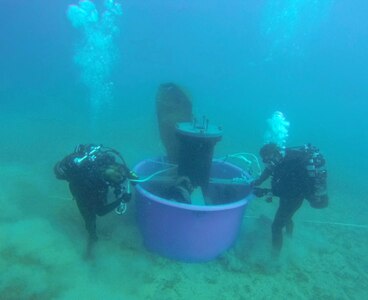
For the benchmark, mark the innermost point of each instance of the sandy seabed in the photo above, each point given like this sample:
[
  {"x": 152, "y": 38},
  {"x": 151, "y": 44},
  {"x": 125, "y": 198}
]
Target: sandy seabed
[{"x": 42, "y": 241}]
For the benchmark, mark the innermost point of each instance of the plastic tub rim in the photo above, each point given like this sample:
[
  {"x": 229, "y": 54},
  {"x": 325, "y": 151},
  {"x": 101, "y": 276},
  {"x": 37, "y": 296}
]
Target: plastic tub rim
[{"x": 186, "y": 206}]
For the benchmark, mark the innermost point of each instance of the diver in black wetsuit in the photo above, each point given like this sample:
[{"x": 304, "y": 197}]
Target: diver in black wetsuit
[
  {"x": 91, "y": 170},
  {"x": 290, "y": 182}
]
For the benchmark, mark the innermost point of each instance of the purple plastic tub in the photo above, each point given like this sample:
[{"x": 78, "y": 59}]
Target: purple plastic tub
[{"x": 186, "y": 232}]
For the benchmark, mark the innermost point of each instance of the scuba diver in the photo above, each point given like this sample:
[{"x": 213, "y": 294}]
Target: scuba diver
[
  {"x": 93, "y": 170},
  {"x": 297, "y": 174}
]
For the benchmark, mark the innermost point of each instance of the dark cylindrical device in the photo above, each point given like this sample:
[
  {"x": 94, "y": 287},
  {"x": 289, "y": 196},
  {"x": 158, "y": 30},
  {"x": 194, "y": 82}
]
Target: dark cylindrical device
[{"x": 196, "y": 146}]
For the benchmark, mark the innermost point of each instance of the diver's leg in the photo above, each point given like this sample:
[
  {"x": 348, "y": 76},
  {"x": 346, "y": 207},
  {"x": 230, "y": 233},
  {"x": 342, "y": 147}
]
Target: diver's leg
[
  {"x": 292, "y": 206},
  {"x": 277, "y": 225},
  {"x": 289, "y": 228},
  {"x": 86, "y": 203},
  {"x": 287, "y": 208},
  {"x": 88, "y": 213},
  {"x": 90, "y": 222},
  {"x": 86, "y": 206}
]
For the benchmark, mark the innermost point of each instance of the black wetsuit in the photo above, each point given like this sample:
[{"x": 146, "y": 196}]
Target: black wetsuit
[
  {"x": 290, "y": 182},
  {"x": 91, "y": 197},
  {"x": 88, "y": 187}
]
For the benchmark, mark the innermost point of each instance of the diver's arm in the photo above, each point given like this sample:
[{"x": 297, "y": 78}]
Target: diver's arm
[
  {"x": 260, "y": 192},
  {"x": 263, "y": 177}
]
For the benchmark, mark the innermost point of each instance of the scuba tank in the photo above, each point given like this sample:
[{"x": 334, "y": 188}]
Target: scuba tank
[{"x": 317, "y": 175}]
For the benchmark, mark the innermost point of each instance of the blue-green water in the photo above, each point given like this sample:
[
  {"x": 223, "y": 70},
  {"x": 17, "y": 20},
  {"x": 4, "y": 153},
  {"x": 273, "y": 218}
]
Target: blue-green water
[{"x": 240, "y": 61}]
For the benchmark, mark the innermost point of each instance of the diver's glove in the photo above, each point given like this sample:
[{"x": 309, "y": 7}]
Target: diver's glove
[
  {"x": 126, "y": 197},
  {"x": 254, "y": 182},
  {"x": 260, "y": 192},
  {"x": 269, "y": 198},
  {"x": 122, "y": 194}
]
